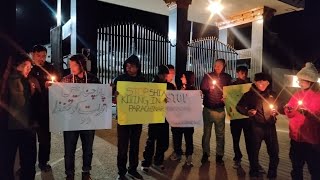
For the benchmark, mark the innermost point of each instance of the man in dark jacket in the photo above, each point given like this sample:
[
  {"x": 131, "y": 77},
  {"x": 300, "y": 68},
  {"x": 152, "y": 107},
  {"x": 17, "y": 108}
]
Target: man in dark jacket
[
  {"x": 129, "y": 133},
  {"x": 213, "y": 111},
  {"x": 43, "y": 72},
  {"x": 23, "y": 92},
  {"x": 259, "y": 104},
  {"x": 78, "y": 74}
]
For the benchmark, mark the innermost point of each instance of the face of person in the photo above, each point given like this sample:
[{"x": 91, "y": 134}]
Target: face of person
[
  {"x": 131, "y": 69},
  {"x": 218, "y": 67},
  {"x": 183, "y": 79},
  {"x": 171, "y": 75},
  {"x": 75, "y": 68},
  {"x": 25, "y": 68},
  {"x": 242, "y": 75},
  {"x": 262, "y": 85},
  {"x": 304, "y": 84},
  {"x": 39, "y": 57}
]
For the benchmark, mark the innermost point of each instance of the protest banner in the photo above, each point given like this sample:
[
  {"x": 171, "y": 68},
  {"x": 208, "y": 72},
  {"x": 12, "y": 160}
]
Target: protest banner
[
  {"x": 141, "y": 103},
  {"x": 184, "y": 108},
  {"x": 232, "y": 95},
  {"x": 76, "y": 106}
]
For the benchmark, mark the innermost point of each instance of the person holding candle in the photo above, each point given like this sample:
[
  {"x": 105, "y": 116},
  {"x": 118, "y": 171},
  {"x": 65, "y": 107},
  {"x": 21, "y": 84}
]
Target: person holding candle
[
  {"x": 259, "y": 104},
  {"x": 213, "y": 111},
  {"x": 303, "y": 110},
  {"x": 43, "y": 72}
]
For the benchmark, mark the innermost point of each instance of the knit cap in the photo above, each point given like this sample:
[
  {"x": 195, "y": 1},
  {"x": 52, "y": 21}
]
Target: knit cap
[{"x": 308, "y": 73}]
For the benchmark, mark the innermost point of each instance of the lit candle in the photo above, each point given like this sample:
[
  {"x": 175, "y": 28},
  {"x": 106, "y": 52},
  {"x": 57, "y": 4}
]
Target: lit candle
[
  {"x": 214, "y": 82},
  {"x": 52, "y": 79},
  {"x": 271, "y": 106},
  {"x": 299, "y": 102}
]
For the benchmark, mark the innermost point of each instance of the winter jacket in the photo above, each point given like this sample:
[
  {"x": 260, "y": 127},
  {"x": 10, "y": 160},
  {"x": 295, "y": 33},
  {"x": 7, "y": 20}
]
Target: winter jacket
[
  {"x": 126, "y": 77},
  {"x": 89, "y": 78},
  {"x": 213, "y": 94},
  {"x": 305, "y": 128},
  {"x": 260, "y": 101},
  {"x": 170, "y": 86},
  {"x": 23, "y": 101}
]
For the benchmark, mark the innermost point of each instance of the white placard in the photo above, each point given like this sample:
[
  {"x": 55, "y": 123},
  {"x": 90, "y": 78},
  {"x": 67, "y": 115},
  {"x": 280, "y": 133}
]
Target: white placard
[
  {"x": 184, "y": 108},
  {"x": 76, "y": 106}
]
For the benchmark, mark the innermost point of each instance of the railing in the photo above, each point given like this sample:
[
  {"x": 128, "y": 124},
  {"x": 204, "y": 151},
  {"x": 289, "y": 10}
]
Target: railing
[{"x": 203, "y": 52}]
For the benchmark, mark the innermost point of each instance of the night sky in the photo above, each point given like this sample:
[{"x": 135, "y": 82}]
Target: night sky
[{"x": 295, "y": 35}]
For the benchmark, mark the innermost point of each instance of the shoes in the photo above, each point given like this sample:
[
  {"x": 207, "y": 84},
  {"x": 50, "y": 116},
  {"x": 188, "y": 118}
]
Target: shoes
[
  {"x": 159, "y": 167},
  {"x": 145, "y": 169},
  {"x": 204, "y": 158},
  {"x": 44, "y": 167},
  {"x": 236, "y": 164},
  {"x": 219, "y": 160},
  {"x": 189, "y": 160},
  {"x": 122, "y": 177},
  {"x": 175, "y": 157},
  {"x": 272, "y": 174},
  {"x": 86, "y": 176},
  {"x": 135, "y": 175},
  {"x": 70, "y": 177}
]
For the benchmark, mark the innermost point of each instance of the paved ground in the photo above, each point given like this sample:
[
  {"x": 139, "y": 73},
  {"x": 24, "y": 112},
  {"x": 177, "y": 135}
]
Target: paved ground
[{"x": 105, "y": 151}]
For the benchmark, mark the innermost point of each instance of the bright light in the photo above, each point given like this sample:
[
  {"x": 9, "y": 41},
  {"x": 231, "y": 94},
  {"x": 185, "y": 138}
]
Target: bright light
[
  {"x": 58, "y": 17},
  {"x": 300, "y": 102},
  {"x": 172, "y": 35},
  {"x": 215, "y": 7},
  {"x": 214, "y": 82},
  {"x": 295, "y": 82},
  {"x": 271, "y": 106}
]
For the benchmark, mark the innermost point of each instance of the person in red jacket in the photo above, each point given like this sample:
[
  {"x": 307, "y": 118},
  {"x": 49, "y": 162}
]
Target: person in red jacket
[{"x": 303, "y": 110}]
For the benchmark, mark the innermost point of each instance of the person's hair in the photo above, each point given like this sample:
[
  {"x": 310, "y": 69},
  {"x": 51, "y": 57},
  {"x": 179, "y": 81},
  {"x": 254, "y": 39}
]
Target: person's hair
[
  {"x": 189, "y": 77},
  {"x": 134, "y": 60},
  {"x": 170, "y": 66},
  {"x": 163, "y": 69},
  {"x": 262, "y": 77},
  {"x": 39, "y": 48},
  {"x": 20, "y": 58},
  {"x": 80, "y": 59},
  {"x": 242, "y": 68},
  {"x": 221, "y": 60}
]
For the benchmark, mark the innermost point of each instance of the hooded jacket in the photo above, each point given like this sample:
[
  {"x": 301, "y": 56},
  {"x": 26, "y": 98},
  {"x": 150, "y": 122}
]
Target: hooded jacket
[
  {"x": 305, "y": 128},
  {"x": 260, "y": 101},
  {"x": 213, "y": 96}
]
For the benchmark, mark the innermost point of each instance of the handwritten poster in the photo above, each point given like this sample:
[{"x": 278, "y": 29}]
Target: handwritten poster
[
  {"x": 76, "y": 106},
  {"x": 232, "y": 95},
  {"x": 184, "y": 108},
  {"x": 141, "y": 103}
]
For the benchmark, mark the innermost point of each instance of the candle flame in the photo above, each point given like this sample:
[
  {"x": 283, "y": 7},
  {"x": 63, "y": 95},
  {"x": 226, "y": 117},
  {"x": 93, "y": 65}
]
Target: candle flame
[
  {"x": 214, "y": 82},
  {"x": 299, "y": 102},
  {"x": 271, "y": 106},
  {"x": 53, "y": 78}
]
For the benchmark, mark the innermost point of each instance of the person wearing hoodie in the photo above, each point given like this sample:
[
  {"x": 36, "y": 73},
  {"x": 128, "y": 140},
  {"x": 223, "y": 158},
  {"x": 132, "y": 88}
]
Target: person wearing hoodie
[
  {"x": 23, "y": 95},
  {"x": 303, "y": 110},
  {"x": 78, "y": 74},
  {"x": 213, "y": 111},
  {"x": 129, "y": 134},
  {"x": 158, "y": 134},
  {"x": 259, "y": 104}
]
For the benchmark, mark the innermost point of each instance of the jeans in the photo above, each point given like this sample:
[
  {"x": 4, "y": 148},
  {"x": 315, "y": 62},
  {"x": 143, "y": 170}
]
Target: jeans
[
  {"x": 158, "y": 134},
  {"x": 301, "y": 153},
  {"x": 70, "y": 144},
  {"x": 177, "y": 133},
  {"x": 128, "y": 134},
  {"x": 217, "y": 117},
  {"x": 236, "y": 126},
  {"x": 25, "y": 140}
]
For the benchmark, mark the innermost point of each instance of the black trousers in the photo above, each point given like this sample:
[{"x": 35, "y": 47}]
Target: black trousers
[
  {"x": 158, "y": 135},
  {"x": 44, "y": 139},
  {"x": 5, "y": 171},
  {"x": 267, "y": 133},
  {"x": 177, "y": 133},
  {"x": 237, "y": 126},
  {"x": 128, "y": 134},
  {"x": 25, "y": 140},
  {"x": 301, "y": 153}
]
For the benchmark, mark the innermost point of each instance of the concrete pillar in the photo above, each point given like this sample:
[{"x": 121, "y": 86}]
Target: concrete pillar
[
  {"x": 257, "y": 46},
  {"x": 179, "y": 30},
  {"x": 223, "y": 36}
]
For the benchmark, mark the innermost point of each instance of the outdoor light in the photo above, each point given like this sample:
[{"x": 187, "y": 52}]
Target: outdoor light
[
  {"x": 299, "y": 102},
  {"x": 215, "y": 7}
]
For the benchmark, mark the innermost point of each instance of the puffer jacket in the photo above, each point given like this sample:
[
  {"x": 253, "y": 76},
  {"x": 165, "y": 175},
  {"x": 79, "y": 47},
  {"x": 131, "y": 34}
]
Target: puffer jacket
[
  {"x": 23, "y": 101},
  {"x": 260, "y": 101},
  {"x": 213, "y": 94},
  {"x": 304, "y": 128}
]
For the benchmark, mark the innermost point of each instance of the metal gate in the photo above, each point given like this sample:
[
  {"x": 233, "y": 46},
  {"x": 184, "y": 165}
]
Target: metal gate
[
  {"x": 117, "y": 42},
  {"x": 203, "y": 52}
]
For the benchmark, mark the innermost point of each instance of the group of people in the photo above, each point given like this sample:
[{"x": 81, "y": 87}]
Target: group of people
[{"x": 24, "y": 104}]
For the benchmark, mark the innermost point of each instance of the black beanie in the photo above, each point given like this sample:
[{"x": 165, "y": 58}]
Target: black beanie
[
  {"x": 134, "y": 60},
  {"x": 262, "y": 77},
  {"x": 163, "y": 69}
]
